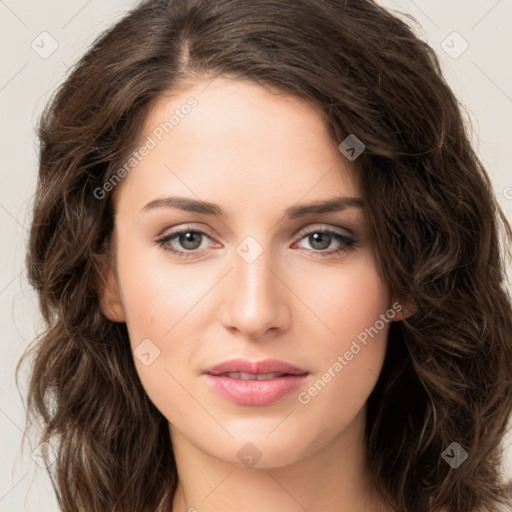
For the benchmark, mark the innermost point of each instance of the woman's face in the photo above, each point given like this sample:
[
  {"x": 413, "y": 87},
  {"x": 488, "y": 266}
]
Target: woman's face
[{"x": 258, "y": 282}]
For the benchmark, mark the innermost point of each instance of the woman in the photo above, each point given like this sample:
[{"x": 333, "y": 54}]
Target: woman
[{"x": 269, "y": 263}]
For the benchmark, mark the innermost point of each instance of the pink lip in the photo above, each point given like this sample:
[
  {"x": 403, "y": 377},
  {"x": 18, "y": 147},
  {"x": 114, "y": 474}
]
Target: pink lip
[
  {"x": 255, "y": 392},
  {"x": 265, "y": 366}
]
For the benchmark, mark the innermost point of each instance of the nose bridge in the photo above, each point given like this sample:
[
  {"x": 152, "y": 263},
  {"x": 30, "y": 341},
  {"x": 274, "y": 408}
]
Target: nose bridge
[{"x": 255, "y": 303}]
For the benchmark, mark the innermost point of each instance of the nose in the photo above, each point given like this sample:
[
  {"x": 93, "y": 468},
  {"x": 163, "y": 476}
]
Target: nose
[{"x": 256, "y": 298}]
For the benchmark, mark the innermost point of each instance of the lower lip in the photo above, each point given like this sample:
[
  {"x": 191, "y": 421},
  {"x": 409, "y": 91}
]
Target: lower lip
[{"x": 255, "y": 392}]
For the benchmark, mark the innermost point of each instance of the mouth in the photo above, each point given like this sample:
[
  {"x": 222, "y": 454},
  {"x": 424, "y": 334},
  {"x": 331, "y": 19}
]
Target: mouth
[
  {"x": 254, "y": 383},
  {"x": 253, "y": 376}
]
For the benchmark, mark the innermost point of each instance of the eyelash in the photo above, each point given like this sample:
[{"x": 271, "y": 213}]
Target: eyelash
[{"x": 347, "y": 242}]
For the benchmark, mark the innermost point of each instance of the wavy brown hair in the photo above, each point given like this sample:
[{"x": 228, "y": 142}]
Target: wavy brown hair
[{"x": 434, "y": 219}]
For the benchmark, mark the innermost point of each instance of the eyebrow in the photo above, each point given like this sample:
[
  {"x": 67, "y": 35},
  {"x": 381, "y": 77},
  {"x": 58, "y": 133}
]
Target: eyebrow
[{"x": 292, "y": 212}]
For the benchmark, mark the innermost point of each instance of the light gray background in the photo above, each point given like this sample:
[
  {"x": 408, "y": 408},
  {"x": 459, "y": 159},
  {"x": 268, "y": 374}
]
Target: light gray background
[{"x": 481, "y": 77}]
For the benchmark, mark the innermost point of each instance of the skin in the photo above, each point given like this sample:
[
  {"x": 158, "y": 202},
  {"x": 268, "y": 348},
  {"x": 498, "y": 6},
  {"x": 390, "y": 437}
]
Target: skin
[{"x": 254, "y": 153}]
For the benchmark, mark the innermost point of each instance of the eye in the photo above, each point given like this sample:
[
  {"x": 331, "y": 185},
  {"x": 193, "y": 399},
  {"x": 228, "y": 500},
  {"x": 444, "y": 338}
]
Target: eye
[
  {"x": 188, "y": 241},
  {"x": 322, "y": 239}
]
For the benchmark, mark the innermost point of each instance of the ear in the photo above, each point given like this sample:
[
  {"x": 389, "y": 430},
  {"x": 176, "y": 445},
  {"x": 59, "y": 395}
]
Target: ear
[
  {"x": 109, "y": 296},
  {"x": 403, "y": 311}
]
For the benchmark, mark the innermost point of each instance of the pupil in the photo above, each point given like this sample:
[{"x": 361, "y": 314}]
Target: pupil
[
  {"x": 187, "y": 240},
  {"x": 317, "y": 237}
]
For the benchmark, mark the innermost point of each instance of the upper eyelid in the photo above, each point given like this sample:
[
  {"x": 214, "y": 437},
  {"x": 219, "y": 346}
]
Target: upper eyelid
[
  {"x": 177, "y": 231},
  {"x": 324, "y": 227}
]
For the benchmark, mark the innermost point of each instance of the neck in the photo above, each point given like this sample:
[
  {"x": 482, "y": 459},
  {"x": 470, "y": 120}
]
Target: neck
[{"x": 332, "y": 478}]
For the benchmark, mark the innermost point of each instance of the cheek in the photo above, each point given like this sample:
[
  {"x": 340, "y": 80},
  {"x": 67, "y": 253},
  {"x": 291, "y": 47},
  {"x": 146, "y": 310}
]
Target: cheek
[
  {"x": 156, "y": 296},
  {"x": 159, "y": 304},
  {"x": 352, "y": 350},
  {"x": 347, "y": 302},
  {"x": 162, "y": 307}
]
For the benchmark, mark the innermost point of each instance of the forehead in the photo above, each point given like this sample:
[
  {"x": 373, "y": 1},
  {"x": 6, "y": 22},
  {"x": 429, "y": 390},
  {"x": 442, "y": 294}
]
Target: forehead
[{"x": 235, "y": 141}]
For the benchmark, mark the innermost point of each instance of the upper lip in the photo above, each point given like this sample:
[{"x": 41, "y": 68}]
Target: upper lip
[{"x": 255, "y": 367}]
